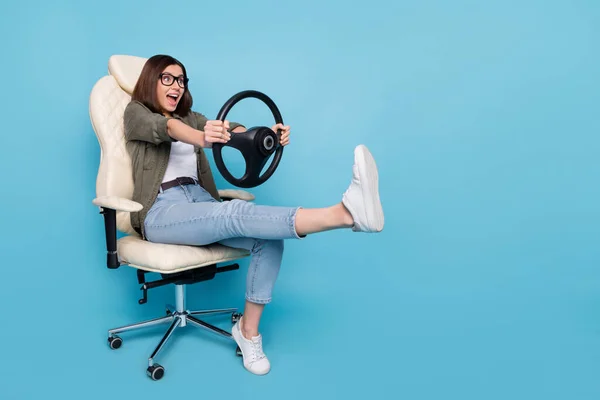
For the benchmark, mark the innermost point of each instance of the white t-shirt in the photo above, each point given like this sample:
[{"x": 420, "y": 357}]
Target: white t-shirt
[{"x": 182, "y": 162}]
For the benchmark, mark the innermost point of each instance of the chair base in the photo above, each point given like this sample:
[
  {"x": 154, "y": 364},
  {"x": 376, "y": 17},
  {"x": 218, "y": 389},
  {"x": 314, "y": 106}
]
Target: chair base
[{"x": 178, "y": 317}]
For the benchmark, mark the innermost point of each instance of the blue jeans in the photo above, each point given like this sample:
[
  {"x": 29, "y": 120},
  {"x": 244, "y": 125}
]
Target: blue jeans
[{"x": 188, "y": 215}]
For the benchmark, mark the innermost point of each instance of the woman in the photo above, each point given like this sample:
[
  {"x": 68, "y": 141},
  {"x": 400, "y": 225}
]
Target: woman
[{"x": 174, "y": 183}]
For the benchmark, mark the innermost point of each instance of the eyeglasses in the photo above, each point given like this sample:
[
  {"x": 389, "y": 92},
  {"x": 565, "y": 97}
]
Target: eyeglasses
[{"x": 168, "y": 80}]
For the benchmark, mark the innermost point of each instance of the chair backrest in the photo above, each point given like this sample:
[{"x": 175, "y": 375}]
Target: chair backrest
[{"x": 108, "y": 99}]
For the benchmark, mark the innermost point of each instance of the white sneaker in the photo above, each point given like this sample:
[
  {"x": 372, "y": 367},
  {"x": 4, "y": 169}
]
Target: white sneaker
[
  {"x": 255, "y": 360},
  {"x": 362, "y": 196}
]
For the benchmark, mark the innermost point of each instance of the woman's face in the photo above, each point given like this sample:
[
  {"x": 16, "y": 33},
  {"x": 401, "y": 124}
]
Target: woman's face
[{"x": 170, "y": 88}]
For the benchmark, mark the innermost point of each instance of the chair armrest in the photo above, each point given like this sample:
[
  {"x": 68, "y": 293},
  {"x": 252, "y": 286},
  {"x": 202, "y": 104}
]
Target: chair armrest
[
  {"x": 109, "y": 205},
  {"x": 228, "y": 194},
  {"x": 117, "y": 203}
]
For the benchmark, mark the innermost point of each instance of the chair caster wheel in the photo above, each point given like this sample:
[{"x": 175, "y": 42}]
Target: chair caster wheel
[
  {"x": 235, "y": 317},
  {"x": 156, "y": 372},
  {"x": 238, "y": 352},
  {"x": 115, "y": 342}
]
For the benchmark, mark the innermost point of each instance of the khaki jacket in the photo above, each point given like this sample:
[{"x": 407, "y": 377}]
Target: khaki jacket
[{"x": 149, "y": 147}]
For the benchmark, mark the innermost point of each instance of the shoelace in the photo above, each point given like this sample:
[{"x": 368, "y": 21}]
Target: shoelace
[{"x": 257, "y": 351}]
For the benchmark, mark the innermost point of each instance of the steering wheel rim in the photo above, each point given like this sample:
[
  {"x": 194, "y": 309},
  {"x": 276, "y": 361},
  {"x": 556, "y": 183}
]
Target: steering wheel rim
[{"x": 256, "y": 144}]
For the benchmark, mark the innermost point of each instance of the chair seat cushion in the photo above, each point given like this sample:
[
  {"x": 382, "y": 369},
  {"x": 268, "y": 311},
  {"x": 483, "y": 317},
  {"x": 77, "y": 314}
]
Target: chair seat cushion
[{"x": 170, "y": 258}]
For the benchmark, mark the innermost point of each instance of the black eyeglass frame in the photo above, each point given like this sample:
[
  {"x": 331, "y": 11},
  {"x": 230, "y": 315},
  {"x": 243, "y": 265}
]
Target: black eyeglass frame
[{"x": 175, "y": 79}]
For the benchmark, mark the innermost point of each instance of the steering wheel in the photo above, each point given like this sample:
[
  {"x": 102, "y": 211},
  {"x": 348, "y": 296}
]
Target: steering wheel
[{"x": 256, "y": 144}]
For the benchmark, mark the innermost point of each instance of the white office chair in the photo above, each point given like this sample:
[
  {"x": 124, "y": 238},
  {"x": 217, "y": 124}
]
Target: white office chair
[{"x": 178, "y": 265}]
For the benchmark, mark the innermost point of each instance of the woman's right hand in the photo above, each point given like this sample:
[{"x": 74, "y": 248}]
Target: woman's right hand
[{"x": 216, "y": 131}]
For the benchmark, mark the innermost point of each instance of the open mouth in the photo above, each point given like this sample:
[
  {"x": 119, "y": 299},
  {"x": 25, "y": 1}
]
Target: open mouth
[{"x": 172, "y": 99}]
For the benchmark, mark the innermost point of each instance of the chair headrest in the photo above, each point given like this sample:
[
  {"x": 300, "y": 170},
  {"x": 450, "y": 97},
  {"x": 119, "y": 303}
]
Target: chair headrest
[{"x": 126, "y": 70}]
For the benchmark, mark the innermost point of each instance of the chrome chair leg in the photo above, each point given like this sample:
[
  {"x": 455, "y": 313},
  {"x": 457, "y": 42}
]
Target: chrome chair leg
[
  {"x": 201, "y": 324},
  {"x": 157, "y": 371},
  {"x": 216, "y": 311},
  {"x": 164, "y": 340},
  {"x": 235, "y": 316},
  {"x": 144, "y": 324}
]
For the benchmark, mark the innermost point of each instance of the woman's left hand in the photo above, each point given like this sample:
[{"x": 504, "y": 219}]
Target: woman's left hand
[{"x": 285, "y": 133}]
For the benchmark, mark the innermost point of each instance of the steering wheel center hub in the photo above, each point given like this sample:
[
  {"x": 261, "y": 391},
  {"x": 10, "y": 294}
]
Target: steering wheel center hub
[{"x": 265, "y": 141}]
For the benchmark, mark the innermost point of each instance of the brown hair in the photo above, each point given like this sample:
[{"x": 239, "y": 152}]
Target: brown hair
[{"x": 145, "y": 88}]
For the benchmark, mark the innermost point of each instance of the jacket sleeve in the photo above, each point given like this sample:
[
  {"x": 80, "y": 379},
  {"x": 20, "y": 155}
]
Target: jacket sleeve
[
  {"x": 142, "y": 124},
  {"x": 201, "y": 121}
]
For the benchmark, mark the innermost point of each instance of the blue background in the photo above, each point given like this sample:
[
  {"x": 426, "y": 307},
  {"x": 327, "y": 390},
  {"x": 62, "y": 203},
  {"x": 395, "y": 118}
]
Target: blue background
[{"x": 482, "y": 117}]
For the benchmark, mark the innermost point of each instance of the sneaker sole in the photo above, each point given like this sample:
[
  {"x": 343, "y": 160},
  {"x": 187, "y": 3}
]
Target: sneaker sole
[{"x": 370, "y": 187}]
